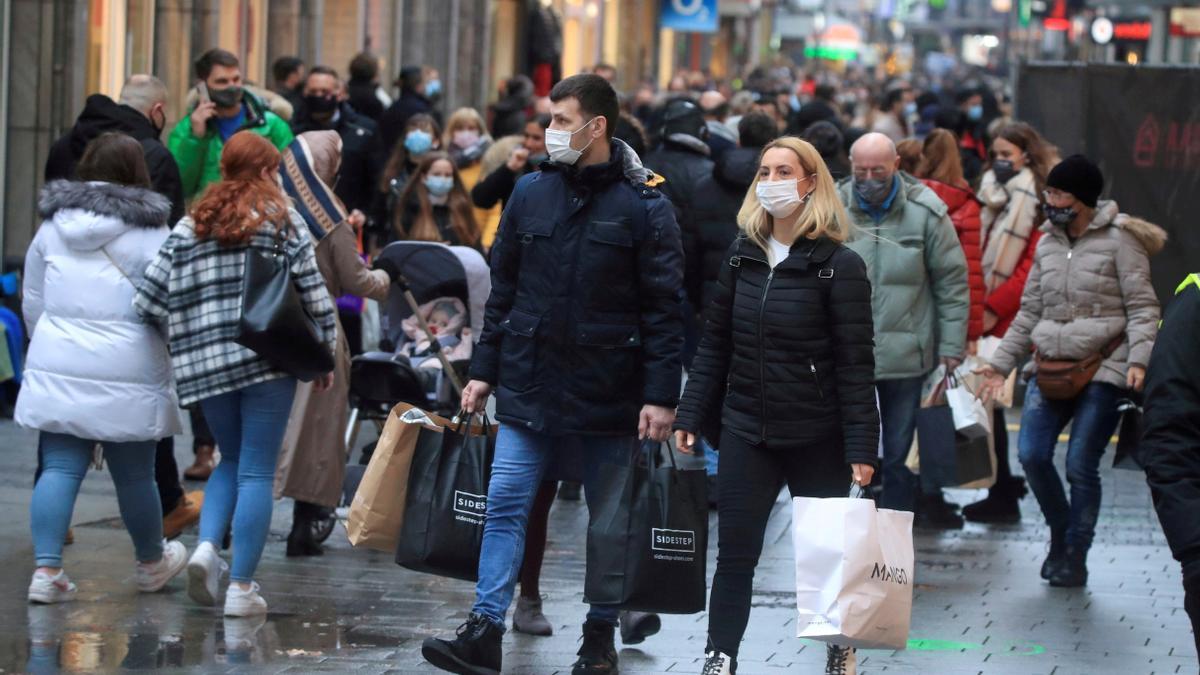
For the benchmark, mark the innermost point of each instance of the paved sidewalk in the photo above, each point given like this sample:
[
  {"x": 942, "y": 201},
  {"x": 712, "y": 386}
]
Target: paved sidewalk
[{"x": 979, "y": 604}]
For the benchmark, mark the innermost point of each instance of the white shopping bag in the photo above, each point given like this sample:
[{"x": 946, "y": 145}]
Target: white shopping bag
[
  {"x": 854, "y": 572},
  {"x": 968, "y": 411}
]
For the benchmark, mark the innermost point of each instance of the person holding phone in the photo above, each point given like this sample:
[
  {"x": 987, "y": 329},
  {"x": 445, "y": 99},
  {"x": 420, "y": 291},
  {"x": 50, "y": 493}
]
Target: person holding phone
[
  {"x": 223, "y": 108},
  {"x": 784, "y": 375}
]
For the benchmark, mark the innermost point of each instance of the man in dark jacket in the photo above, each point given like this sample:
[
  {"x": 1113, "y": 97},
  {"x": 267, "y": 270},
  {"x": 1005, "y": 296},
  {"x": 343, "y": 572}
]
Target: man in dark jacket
[
  {"x": 361, "y": 160},
  {"x": 412, "y": 101},
  {"x": 142, "y": 114},
  {"x": 363, "y": 87},
  {"x": 581, "y": 342},
  {"x": 509, "y": 113},
  {"x": 1170, "y": 446},
  {"x": 525, "y": 158},
  {"x": 288, "y": 72}
]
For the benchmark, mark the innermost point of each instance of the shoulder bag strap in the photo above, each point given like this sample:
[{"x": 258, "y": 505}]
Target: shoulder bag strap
[{"x": 118, "y": 266}]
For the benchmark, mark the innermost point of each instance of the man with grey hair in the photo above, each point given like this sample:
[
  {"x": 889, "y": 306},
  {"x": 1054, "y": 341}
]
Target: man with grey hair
[
  {"x": 919, "y": 302},
  {"x": 140, "y": 113}
]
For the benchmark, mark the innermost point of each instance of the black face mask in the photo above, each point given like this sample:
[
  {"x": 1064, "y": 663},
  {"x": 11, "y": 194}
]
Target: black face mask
[
  {"x": 1061, "y": 216},
  {"x": 229, "y": 97},
  {"x": 1003, "y": 168},
  {"x": 321, "y": 105}
]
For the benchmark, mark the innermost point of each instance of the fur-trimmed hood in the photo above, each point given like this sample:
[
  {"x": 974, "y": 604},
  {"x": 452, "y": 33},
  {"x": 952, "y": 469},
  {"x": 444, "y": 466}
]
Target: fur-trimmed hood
[
  {"x": 1152, "y": 237},
  {"x": 89, "y": 215}
]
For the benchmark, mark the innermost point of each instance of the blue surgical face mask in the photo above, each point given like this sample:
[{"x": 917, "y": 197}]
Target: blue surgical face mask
[
  {"x": 975, "y": 112},
  {"x": 910, "y": 108},
  {"x": 433, "y": 88},
  {"x": 439, "y": 186},
  {"x": 418, "y": 142}
]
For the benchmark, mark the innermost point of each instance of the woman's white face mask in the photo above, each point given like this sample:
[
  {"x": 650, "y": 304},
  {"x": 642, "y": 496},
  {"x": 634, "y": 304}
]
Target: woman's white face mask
[{"x": 781, "y": 198}]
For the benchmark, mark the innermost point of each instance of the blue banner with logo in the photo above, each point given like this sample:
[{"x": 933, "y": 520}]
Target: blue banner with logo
[{"x": 690, "y": 16}]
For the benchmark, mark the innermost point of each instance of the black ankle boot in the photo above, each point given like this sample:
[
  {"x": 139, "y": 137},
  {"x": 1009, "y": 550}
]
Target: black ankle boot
[
  {"x": 1072, "y": 573},
  {"x": 300, "y": 541},
  {"x": 1058, "y": 552},
  {"x": 935, "y": 513},
  {"x": 474, "y": 651},
  {"x": 598, "y": 655}
]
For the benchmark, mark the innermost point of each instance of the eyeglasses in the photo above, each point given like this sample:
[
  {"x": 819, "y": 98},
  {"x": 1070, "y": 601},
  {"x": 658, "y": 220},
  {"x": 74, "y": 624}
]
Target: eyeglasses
[{"x": 876, "y": 172}]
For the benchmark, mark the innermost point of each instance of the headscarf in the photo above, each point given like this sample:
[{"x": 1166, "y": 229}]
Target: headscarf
[{"x": 309, "y": 166}]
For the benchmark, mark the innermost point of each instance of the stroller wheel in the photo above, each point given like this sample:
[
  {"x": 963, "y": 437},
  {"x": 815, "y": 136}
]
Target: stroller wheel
[{"x": 323, "y": 527}]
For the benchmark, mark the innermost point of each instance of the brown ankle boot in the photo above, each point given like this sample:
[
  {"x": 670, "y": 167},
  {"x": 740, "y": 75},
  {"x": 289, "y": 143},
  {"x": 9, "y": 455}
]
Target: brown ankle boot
[
  {"x": 185, "y": 513},
  {"x": 203, "y": 467}
]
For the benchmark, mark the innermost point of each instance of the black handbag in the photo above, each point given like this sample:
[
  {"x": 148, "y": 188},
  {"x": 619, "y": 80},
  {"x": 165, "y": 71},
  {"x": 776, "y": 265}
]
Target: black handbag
[
  {"x": 950, "y": 457},
  {"x": 647, "y": 543},
  {"x": 1130, "y": 434},
  {"x": 446, "y": 506},
  {"x": 274, "y": 323}
]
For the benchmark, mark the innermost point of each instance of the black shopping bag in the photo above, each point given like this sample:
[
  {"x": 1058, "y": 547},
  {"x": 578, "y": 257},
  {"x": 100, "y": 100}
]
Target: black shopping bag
[
  {"x": 1129, "y": 436},
  {"x": 950, "y": 457},
  {"x": 648, "y": 536},
  {"x": 447, "y": 502}
]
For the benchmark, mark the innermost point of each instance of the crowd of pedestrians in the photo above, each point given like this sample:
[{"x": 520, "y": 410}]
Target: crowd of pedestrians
[{"x": 808, "y": 249}]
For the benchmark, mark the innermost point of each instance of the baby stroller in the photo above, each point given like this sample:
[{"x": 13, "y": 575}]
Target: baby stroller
[{"x": 408, "y": 369}]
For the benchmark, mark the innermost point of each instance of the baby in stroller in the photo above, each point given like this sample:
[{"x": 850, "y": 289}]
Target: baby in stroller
[{"x": 446, "y": 318}]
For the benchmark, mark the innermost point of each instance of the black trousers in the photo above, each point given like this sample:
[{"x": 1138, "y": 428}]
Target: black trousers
[{"x": 747, "y": 486}]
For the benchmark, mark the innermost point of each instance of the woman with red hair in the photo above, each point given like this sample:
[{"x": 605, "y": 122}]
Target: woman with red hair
[{"x": 194, "y": 289}]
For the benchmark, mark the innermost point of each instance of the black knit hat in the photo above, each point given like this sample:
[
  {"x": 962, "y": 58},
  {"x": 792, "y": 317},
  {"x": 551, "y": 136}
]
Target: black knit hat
[{"x": 1078, "y": 176}]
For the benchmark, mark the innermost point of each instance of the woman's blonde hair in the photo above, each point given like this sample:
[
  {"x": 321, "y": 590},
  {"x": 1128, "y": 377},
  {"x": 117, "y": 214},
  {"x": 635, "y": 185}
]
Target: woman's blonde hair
[
  {"x": 463, "y": 117},
  {"x": 823, "y": 214}
]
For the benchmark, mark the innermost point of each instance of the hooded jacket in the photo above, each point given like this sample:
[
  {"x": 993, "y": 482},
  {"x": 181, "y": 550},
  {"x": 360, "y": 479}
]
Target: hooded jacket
[
  {"x": 718, "y": 198},
  {"x": 964, "y": 211},
  {"x": 1082, "y": 295},
  {"x": 199, "y": 159},
  {"x": 100, "y": 115},
  {"x": 94, "y": 370},
  {"x": 683, "y": 161},
  {"x": 918, "y": 273},
  {"x": 583, "y": 325}
]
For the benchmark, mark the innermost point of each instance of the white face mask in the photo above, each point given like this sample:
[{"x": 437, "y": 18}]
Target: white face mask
[
  {"x": 781, "y": 198},
  {"x": 558, "y": 144}
]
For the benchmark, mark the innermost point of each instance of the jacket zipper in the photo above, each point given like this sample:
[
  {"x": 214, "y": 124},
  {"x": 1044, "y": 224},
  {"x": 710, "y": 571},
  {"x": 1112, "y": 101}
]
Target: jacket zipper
[
  {"x": 1067, "y": 289},
  {"x": 812, "y": 366},
  {"x": 762, "y": 357}
]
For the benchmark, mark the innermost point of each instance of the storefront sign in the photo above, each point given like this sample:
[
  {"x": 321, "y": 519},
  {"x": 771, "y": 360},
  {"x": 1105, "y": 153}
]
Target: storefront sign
[
  {"x": 1102, "y": 31},
  {"x": 690, "y": 16},
  {"x": 1131, "y": 30},
  {"x": 1185, "y": 22}
]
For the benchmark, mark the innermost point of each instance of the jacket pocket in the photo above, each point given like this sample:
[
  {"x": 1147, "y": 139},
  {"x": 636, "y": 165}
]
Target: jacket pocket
[
  {"x": 606, "y": 360},
  {"x": 608, "y": 265},
  {"x": 518, "y": 353},
  {"x": 535, "y": 238}
]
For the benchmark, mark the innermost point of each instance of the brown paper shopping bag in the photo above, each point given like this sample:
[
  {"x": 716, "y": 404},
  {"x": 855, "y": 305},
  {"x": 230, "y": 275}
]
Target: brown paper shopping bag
[{"x": 377, "y": 511}]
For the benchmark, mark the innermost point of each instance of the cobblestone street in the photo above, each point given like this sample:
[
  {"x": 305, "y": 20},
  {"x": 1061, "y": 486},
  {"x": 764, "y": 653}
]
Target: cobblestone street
[{"x": 979, "y": 604}]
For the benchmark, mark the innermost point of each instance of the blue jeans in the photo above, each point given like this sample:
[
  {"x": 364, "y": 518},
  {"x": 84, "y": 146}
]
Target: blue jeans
[
  {"x": 521, "y": 458},
  {"x": 65, "y": 463},
  {"x": 898, "y": 404},
  {"x": 1094, "y": 417},
  {"x": 711, "y": 457},
  {"x": 248, "y": 425}
]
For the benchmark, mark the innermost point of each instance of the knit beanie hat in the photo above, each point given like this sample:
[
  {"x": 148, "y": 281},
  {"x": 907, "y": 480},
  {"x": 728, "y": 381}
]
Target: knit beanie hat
[{"x": 1079, "y": 176}]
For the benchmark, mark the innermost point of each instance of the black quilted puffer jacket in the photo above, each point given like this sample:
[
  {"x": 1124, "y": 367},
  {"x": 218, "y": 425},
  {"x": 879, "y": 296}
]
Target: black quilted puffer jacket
[{"x": 787, "y": 357}]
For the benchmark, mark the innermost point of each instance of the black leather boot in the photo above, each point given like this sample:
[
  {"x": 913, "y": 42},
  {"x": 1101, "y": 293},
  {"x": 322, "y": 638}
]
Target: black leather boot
[
  {"x": 1073, "y": 571},
  {"x": 1058, "y": 553},
  {"x": 598, "y": 655},
  {"x": 1002, "y": 504},
  {"x": 474, "y": 651},
  {"x": 300, "y": 541}
]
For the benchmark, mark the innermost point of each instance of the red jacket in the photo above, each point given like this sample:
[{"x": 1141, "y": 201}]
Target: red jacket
[
  {"x": 964, "y": 213},
  {"x": 1005, "y": 300}
]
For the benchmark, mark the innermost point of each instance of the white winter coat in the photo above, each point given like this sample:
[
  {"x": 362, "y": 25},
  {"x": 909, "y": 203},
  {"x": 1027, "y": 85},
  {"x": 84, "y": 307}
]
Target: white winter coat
[{"x": 94, "y": 370}]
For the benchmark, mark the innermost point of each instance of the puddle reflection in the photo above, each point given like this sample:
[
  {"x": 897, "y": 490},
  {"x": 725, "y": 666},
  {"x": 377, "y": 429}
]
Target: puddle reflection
[{"x": 65, "y": 638}]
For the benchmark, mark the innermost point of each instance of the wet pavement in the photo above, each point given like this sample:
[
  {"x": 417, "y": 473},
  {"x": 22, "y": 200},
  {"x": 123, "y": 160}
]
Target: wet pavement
[{"x": 979, "y": 605}]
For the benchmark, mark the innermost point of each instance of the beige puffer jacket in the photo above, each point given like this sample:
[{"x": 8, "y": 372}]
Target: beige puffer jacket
[{"x": 1080, "y": 296}]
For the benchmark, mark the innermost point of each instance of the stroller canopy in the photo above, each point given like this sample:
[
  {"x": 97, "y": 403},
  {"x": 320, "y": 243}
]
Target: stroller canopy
[{"x": 434, "y": 271}]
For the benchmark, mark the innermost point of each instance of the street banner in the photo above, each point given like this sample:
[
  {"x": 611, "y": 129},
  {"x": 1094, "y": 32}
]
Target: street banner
[
  {"x": 690, "y": 16},
  {"x": 1141, "y": 124}
]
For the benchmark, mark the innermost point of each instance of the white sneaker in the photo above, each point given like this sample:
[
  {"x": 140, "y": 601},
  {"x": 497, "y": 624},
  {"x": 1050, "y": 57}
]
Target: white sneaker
[
  {"x": 716, "y": 663},
  {"x": 151, "y": 577},
  {"x": 244, "y": 603},
  {"x": 840, "y": 660},
  {"x": 46, "y": 589},
  {"x": 204, "y": 574}
]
